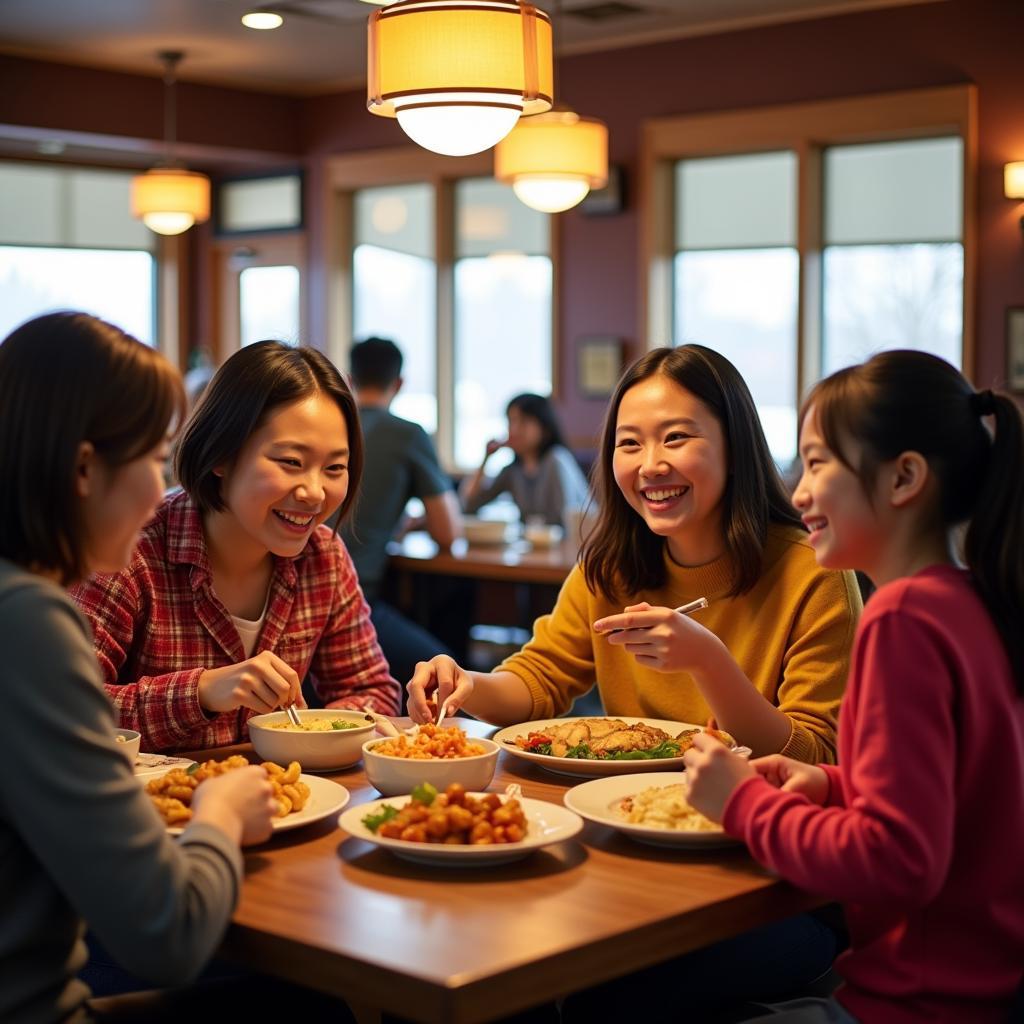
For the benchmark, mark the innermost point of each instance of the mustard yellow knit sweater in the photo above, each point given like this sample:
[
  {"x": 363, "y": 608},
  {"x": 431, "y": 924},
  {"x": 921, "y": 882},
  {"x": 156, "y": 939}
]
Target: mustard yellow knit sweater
[{"x": 791, "y": 634}]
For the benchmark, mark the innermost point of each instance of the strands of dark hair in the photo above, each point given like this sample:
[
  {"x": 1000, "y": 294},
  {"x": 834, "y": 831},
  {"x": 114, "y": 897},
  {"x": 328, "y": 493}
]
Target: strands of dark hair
[
  {"x": 376, "y": 363},
  {"x": 244, "y": 392},
  {"x": 621, "y": 556},
  {"x": 539, "y": 408},
  {"x": 912, "y": 401},
  {"x": 68, "y": 378}
]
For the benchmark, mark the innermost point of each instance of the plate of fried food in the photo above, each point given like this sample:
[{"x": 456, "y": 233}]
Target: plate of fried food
[
  {"x": 454, "y": 828},
  {"x": 650, "y": 808},
  {"x": 301, "y": 799},
  {"x": 596, "y": 747}
]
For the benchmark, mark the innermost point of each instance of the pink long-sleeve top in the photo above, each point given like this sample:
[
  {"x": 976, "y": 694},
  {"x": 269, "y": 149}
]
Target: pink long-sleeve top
[{"x": 922, "y": 835}]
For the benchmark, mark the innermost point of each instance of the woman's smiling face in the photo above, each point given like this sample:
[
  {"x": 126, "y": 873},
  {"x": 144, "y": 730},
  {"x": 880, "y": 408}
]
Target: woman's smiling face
[
  {"x": 290, "y": 475},
  {"x": 671, "y": 465}
]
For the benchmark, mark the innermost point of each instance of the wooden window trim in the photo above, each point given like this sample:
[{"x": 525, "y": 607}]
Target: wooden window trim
[
  {"x": 806, "y": 129},
  {"x": 332, "y": 246}
]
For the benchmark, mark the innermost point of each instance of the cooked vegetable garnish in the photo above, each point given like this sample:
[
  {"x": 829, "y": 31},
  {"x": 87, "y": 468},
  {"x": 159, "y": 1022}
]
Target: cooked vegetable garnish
[
  {"x": 384, "y": 813},
  {"x": 425, "y": 793}
]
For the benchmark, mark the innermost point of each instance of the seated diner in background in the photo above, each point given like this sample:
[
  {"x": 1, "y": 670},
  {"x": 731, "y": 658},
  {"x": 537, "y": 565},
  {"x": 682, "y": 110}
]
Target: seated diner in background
[
  {"x": 544, "y": 479},
  {"x": 236, "y": 590}
]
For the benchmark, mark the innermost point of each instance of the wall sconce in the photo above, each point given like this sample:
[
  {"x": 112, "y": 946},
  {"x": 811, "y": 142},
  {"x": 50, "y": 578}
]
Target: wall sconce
[
  {"x": 1013, "y": 183},
  {"x": 459, "y": 73}
]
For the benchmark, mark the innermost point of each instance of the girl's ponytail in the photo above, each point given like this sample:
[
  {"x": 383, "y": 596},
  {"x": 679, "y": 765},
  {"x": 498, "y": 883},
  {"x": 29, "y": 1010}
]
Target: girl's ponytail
[{"x": 994, "y": 541}]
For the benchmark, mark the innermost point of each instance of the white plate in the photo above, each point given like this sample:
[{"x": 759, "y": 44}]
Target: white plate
[
  {"x": 325, "y": 798},
  {"x": 597, "y": 801},
  {"x": 548, "y": 823},
  {"x": 590, "y": 769}
]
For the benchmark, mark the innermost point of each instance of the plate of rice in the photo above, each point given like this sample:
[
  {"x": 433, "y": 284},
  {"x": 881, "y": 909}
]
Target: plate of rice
[{"x": 650, "y": 808}]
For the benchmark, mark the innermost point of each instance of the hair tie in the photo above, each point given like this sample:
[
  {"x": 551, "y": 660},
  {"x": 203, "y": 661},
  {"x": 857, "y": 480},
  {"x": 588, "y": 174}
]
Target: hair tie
[{"x": 983, "y": 403}]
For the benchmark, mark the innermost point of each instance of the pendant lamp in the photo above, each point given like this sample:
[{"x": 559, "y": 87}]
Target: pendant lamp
[
  {"x": 553, "y": 160},
  {"x": 168, "y": 198},
  {"x": 458, "y": 74}
]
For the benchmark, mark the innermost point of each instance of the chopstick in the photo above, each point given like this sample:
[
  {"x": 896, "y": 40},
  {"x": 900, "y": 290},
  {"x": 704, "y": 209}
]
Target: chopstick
[{"x": 683, "y": 609}]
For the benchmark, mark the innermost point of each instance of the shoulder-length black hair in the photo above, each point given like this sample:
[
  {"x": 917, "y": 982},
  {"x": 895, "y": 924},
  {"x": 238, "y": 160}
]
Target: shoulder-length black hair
[
  {"x": 68, "y": 378},
  {"x": 539, "y": 408},
  {"x": 622, "y": 557},
  {"x": 244, "y": 392},
  {"x": 912, "y": 401}
]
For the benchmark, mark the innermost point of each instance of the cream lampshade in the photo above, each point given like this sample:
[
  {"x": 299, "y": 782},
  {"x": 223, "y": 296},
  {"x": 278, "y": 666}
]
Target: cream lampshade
[
  {"x": 169, "y": 200},
  {"x": 458, "y": 74},
  {"x": 553, "y": 160}
]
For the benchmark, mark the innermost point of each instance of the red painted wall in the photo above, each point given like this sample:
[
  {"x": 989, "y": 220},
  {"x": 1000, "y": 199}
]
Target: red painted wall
[{"x": 909, "y": 47}]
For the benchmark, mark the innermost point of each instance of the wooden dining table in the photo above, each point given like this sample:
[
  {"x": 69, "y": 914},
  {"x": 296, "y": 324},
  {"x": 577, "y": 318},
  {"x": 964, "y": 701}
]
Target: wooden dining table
[
  {"x": 514, "y": 561},
  {"x": 470, "y": 944}
]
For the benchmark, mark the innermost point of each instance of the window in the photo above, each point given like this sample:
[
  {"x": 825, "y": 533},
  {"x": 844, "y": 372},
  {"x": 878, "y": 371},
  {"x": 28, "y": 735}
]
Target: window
[
  {"x": 268, "y": 304},
  {"x": 803, "y": 238},
  {"x": 394, "y": 288},
  {"x": 502, "y": 306},
  {"x": 457, "y": 272},
  {"x": 894, "y": 259},
  {"x": 68, "y": 241},
  {"x": 736, "y": 276}
]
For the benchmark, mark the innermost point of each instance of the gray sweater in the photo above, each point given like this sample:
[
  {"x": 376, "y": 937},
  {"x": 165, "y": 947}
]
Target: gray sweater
[
  {"x": 557, "y": 485},
  {"x": 79, "y": 839}
]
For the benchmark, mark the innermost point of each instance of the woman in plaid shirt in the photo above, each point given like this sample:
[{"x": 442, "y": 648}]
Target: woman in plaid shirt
[{"x": 236, "y": 591}]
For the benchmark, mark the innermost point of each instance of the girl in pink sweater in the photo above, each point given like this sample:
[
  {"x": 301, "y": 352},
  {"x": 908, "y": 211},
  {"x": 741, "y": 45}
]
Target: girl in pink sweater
[{"x": 920, "y": 829}]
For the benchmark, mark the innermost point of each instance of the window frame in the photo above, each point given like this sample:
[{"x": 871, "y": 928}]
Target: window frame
[
  {"x": 332, "y": 242},
  {"x": 806, "y": 129}
]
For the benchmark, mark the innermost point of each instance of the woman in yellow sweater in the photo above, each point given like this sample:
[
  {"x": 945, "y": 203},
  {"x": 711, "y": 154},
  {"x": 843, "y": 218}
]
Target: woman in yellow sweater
[{"x": 691, "y": 506}]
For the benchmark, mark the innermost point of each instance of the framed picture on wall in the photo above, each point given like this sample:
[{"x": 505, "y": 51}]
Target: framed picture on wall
[
  {"x": 599, "y": 363},
  {"x": 1015, "y": 349}
]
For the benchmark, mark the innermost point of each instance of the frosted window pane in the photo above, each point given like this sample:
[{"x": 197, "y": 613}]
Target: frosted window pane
[
  {"x": 881, "y": 297},
  {"x": 398, "y": 217},
  {"x": 743, "y": 304},
  {"x": 395, "y": 297},
  {"x": 101, "y": 212},
  {"x": 502, "y": 344},
  {"x": 736, "y": 202},
  {"x": 491, "y": 219},
  {"x": 117, "y": 286},
  {"x": 894, "y": 192},
  {"x": 262, "y": 204},
  {"x": 269, "y": 304}
]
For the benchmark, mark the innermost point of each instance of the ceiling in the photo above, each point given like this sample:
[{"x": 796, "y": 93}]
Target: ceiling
[{"x": 321, "y": 47}]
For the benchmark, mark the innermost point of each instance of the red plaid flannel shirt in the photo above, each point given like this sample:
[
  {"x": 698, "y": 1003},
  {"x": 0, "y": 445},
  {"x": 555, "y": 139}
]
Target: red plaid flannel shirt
[{"x": 158, "y": 625}]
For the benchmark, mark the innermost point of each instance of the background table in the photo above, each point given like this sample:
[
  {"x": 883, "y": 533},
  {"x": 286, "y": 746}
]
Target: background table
[{"x": 465, "y": 945}]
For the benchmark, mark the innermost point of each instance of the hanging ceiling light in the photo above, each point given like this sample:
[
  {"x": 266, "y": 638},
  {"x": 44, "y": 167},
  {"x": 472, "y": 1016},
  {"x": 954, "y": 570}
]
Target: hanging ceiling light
[
  {"x": 458, "y": 73},
  {"x": 170, "y": 199},
  {"x": 553, "y": 160}
]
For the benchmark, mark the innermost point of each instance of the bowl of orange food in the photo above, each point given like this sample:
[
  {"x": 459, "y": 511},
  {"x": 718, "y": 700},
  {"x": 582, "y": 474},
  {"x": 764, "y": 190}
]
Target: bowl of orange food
[
  {"x": 326, "y": 739},
  {"x": 440, "y": 756}
]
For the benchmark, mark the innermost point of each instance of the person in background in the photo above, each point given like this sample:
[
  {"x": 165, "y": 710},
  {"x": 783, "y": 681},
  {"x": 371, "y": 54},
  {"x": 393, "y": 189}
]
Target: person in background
[
  {"x": 691, "y": 506},
  {"x": 85, "y": 412},
  {"x": 920, "y": 828},
  {"x": 236, "y": 590},
  {"x": 400, "y": 464},
  {"x": 543, "y": 477}
]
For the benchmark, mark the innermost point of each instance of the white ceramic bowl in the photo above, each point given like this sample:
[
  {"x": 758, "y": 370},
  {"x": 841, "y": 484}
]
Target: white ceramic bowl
[
  {"x": 394, "y": 776},
  {"x": 543, "y": 535},
  {"x": 130, "y": 744},
  {"x": 315, "y": 751},
  {"x": 485, "y": 531}
]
